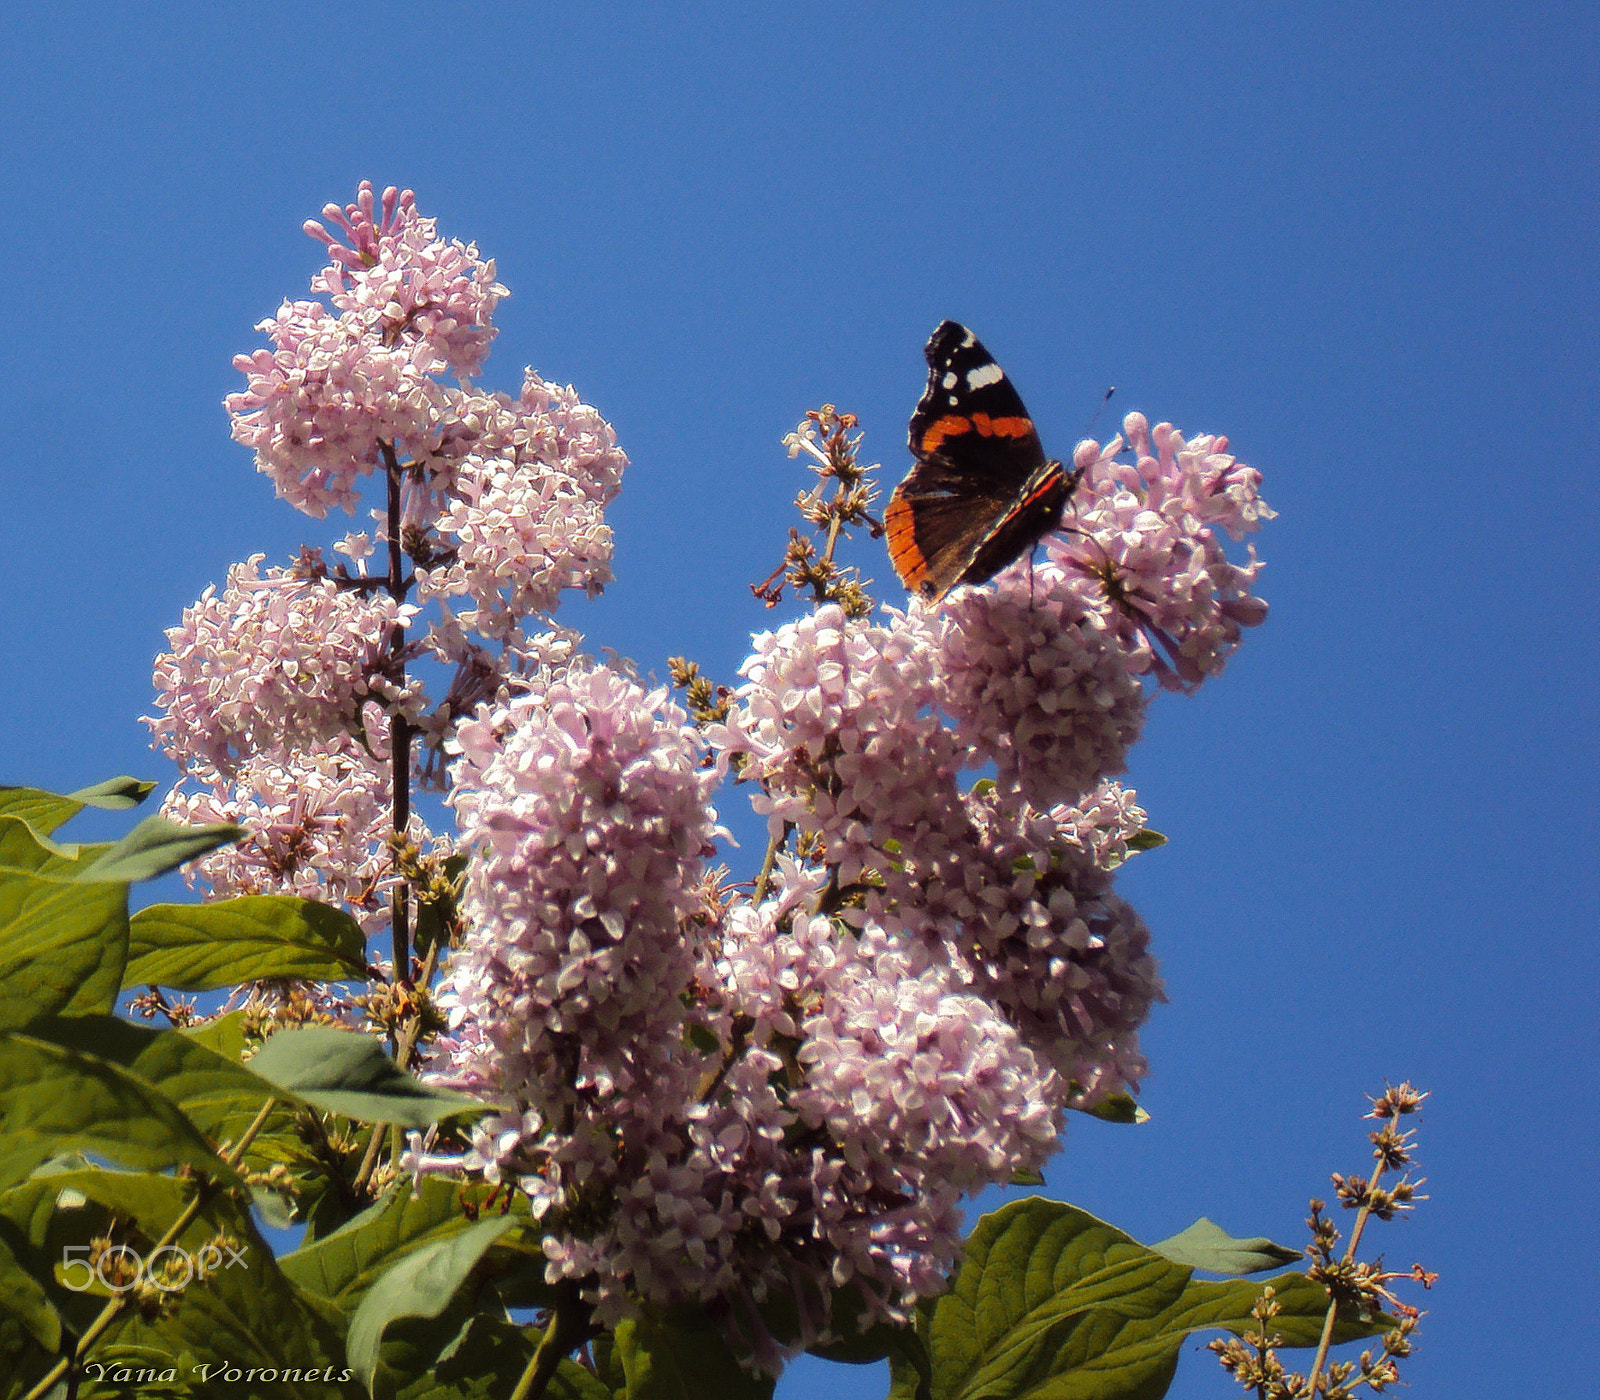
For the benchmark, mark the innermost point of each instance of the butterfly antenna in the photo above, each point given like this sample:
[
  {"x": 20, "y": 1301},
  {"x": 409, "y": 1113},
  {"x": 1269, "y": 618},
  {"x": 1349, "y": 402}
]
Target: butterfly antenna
[{"x": 1100, "y": 408}]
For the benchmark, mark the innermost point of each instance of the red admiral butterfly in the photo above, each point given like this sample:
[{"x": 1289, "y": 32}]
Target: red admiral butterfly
[{"x": 982, "y": 491}]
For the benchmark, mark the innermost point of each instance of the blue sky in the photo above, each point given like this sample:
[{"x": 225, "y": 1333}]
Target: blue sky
[{"x": 1359, "y": 239}]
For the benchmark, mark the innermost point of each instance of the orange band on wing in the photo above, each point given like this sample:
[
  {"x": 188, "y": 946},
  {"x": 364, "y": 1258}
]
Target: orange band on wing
[
  {"x": 953, "y": 425},
  {"x": 900, "y": 525},
  {"x": 1002, "y": 427}
]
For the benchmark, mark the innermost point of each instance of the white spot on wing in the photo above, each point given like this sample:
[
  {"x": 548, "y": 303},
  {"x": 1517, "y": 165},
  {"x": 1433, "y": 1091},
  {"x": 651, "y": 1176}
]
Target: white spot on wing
[
  {"x": 953, "y": 400},
  {"x": 968, "y": 340},
  {"x": 949, "y": 381},
  {"x": 984, "y": 375}
]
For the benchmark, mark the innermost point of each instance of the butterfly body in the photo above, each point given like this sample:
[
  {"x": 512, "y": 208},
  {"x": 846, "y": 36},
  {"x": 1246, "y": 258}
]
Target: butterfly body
[{"x": 982, "y": 491}]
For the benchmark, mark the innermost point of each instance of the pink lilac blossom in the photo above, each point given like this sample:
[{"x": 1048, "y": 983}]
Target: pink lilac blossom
[
  {"x": 317, "y": 823},
  {"x": 1141, "y": 539},
  {"x": 398, "y": 278},
  {"x": 1061, "y": 955},
  {"x": 1033, "y": 683},
  {"x": 525, "y": 509},
  {"x": 587, "y": 803},
  {"x": 866, "y": 1099},
  {"x": 834, "y": 721},
  {"x": 319, "y": 405},
  {"x": 485, "y": 675},
  {"x": 917, "y": 1080},
  {"x": 1102, "y": 823},
  {"x": 277, "y": 657},
  {"x": 870, "y": 1095},
  {"x": 588, "y": 807}
]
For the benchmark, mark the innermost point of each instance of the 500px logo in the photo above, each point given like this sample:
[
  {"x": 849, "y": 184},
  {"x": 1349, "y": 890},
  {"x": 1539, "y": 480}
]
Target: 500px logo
[{"x": 128, "y": 1269}]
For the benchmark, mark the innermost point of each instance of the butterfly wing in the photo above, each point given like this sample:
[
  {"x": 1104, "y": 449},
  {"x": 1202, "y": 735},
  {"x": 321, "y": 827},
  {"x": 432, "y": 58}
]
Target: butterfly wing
[{"x": 981, "y": 491}]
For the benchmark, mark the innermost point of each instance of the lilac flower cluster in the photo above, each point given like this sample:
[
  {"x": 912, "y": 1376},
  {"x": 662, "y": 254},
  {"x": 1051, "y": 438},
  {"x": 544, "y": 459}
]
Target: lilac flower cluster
[
  {"x": 276, "y": 656},
  {"x": 502, "y": 505},
  {"x": 316, "y": 828},
  {"x": 924, "y": 989},
  {"x": 1144, "y": 551},
  {"x": 770, "y": 1103}
]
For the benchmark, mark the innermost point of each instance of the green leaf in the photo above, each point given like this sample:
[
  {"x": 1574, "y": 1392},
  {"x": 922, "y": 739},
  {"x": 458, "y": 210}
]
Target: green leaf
[
  {"x": 243, "y": 1312},
  {"x": 349, "y": 1073},
  {"x": 42, "y": 812},
  {"x": 420, "y": 1285},
  {"x": 1116, "y": 1358},
  {"x": 342, "y": 1266},
  {"x": 1031, "y": 1274},
  {"x": 63, "y": 946},
  {"x": 1115, "y": 1108},
  {"x": 39, "y": 812},
  {"x": 861, "y": 1348},
  {"x": 1027, "y": 1176},
  {"x": 24, "y": 1297},
  {"x": 1146, "y": 840},
  {"x": 115, "y": 794},
  {"x": 200, "y": 947},
  {"x": 218, "y": 1095},
  {"x": 223, "y": 1035},
  {"x": 54, "y": 1100},
  {"x": 680, "y": 1360},
  {"x": 156, "y": 846},
  {"x": 1051, "y": 1304},
  {"x": 1207, "y": 1246},
  {"x": 483, "y": 1360}
]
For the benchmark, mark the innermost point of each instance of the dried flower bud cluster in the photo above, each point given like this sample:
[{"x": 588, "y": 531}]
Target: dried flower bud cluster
[
  {"x": 1355, "y": 1287},
  {"x": 758, "y": 1102}
]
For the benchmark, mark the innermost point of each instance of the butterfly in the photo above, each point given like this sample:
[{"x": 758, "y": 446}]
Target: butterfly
[{"x": 981, "y": 492}]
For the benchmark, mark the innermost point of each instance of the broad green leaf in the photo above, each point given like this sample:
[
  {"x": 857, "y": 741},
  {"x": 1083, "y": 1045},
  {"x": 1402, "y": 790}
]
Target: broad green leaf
[
  {"x": 200, "y": 947},
  {"x": 24, "y": 852},
  {"x": 1051, "y": 1304},
  {"x": 23, "y": 1296},
  {"x": 349, "y": 1073},
  {"x": 115, "y": 794},
  {"x": 345, "y": 1264},
  {"x": 680, "y": 1360},
  {"x": 219, "y": 1096},
  {"x": 1205, "y": 1245},
  {"x": 1146, "y": 840},
  {"x": 1115, "y": 1108},
  {"x": 44, "y": 811},
  {"x": 875, "y": 1344},
  {"x": 1116, "y": 1358},
  {"x": 37, "y": 814},
  {"x": 243, "y": 1313},
  {"x": 1031, "y": 1274},
  {"x": 224, "y": 1035},
  {"x": 54, "y": 1100},
  {"x": 63, "y": 946},
  {"x": 483, "y": 1360},
  {"x": 420, "y": 1285},
  {"x": 156, "y": 846},
  {"x": 41, "y": 1220}
]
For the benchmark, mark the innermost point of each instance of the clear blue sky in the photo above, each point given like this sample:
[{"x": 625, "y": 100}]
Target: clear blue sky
[{"x": 1359, "y": 239}]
